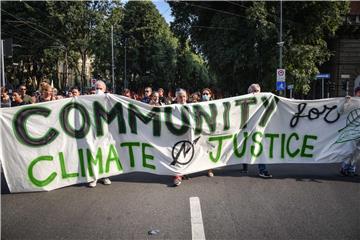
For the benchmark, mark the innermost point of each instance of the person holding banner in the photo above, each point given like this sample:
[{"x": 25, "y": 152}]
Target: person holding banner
[
  {"x": 155, "y": 99},
  {"x": 17, "y": 100},
  {"x": 348, "y": 166},
  {"x": 75, "y": 92},
  {"x": 5, "y": 99},
  {"x": 22, "y": 91},
  {"x": 161, "y": 96},
  {"x": 100, "y": 87},
  {"x": 207, "y": 96},
  {"x": 147, "y": 95},
  {"x": 46, "y": 93},
  {"x": 181, "y": 98},
  {"x": 126, "y": 92},
  {"x": 263, "y": 172}
]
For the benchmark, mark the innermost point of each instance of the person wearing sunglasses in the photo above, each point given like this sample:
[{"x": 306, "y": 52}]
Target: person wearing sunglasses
[
  {"x": 22, "y": 91},
  {"x": 263, "y": 172},
  {"x": 147, "y": 95}
]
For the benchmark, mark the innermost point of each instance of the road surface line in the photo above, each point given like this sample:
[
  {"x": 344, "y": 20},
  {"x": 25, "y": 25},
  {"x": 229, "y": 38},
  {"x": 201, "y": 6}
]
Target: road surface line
[{"x": 197, "y": 226}]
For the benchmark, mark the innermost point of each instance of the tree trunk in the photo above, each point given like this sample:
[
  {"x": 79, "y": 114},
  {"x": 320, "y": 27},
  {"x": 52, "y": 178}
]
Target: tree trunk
[
  {"x": 83, "y": 70},
  {"x": 65, "y": 69}
]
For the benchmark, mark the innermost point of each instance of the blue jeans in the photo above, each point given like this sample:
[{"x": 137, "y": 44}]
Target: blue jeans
[
  {"x": 262, "y": 168},
  {"x": 348, "y": 167}
]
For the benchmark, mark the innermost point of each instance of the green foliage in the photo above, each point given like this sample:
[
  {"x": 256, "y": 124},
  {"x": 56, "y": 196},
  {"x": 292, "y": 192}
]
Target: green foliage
[
  {"x": 239, "y": 39},
  {"x": 192, "y": 70},
  {"x": 151, "y": 47},
  {"x": 54, "y": 32}
]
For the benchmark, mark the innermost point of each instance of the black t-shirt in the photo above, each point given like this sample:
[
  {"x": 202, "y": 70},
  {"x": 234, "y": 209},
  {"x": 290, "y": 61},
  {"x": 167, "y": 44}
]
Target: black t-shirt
[{"x": 15, "y": 104}]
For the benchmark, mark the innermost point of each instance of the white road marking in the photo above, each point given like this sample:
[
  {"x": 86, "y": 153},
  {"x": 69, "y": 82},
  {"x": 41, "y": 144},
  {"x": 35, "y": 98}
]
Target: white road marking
[{"x": 197, "y": 226}]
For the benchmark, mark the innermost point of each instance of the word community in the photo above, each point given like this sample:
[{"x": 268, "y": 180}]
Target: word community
[{"x": 155, "y": 115}]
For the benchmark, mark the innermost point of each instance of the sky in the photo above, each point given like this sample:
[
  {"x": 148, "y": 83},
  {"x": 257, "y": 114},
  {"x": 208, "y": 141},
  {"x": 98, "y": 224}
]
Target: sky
[{"x": 164, "y": 9}]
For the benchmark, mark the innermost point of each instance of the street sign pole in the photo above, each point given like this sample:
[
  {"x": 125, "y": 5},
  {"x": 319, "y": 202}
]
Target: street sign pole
[
  {"x": 280, "y": 81},
  {"x": 125, "y": 80},
  {"x": 322, "y": 77},
  {"x": 2, "y": 65},
  {"x": 281, "y": 46},
  {"x": 2, "y": 82},
  {"x": 112, "y": 59}
]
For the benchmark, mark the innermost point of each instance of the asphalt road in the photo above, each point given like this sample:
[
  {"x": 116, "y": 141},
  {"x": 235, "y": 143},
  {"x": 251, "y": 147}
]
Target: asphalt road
[{"x": 299, "y": 202}]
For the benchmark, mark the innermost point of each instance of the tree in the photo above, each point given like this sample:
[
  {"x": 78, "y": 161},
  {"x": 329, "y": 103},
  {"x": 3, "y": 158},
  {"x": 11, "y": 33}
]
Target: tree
[
  {"x": 53, "y": 32},
  {"x": 151, "y": 46},
  {"x": 192, "y": 72},
  {"x": 80, "y": 24},
  {"x": 22, "y": 21},
  {"x": 102, "y": 44},
  {"x": 238, "y": 39}
]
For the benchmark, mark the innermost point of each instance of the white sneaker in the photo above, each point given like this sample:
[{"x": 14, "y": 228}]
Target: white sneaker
[
  {"x": 106, "y": 181},
  {"x": 93, "y": 184},
  {"x": 177, "y": 181}
]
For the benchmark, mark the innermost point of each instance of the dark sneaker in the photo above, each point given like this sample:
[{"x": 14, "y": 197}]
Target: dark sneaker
[
  {"x": 352, "y": 174},
  {"x": 265, "y": 174},
  {"x": 344, "y": 172},
  {"x": 243, "y": 170}
]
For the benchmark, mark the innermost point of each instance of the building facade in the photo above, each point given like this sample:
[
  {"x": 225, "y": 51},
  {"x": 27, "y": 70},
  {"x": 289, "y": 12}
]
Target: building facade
[{"x": 344, "y": 65}]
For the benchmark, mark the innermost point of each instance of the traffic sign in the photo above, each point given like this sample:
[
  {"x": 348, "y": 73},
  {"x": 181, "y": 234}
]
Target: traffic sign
[
  {"x": 280, "y": 86},
  {"x": 280, "y": 75},
  {"x": 323, "y": 75},
  {"x": 290, "y": 86}
]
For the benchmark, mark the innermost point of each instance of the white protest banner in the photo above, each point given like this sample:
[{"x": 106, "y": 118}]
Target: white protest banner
[{"x": 50, "y": 145}]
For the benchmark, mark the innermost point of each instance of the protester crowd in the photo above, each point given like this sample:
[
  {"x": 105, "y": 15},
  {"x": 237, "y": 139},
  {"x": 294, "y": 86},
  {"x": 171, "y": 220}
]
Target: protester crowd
[
  {"x": 156, "y": 98},
  {"x": 45, "y": 93}
]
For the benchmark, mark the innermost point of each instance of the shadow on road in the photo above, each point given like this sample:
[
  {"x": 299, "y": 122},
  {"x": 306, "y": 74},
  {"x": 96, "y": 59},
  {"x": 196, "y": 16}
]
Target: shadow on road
[{"x": 299, "y": 172}]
